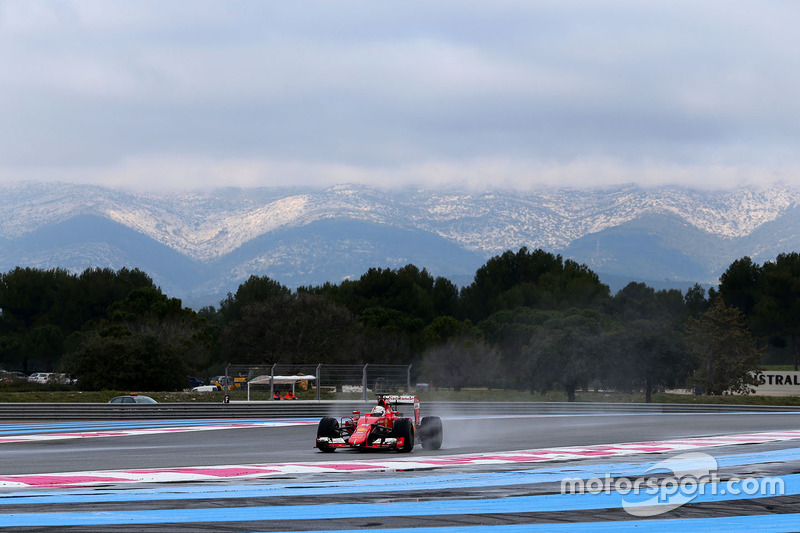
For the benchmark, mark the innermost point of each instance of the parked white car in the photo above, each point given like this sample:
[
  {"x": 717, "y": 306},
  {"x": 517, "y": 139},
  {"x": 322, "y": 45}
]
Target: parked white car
[
  {"x": 49, "y": 377},
  {"x": 39, "y": 377},
  {"x": 206, "y": 388}
]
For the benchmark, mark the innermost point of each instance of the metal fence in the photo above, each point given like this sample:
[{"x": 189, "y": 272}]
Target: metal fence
[
  {"x": 205, "y": 410},
  {"x": 318, "y": 382}
]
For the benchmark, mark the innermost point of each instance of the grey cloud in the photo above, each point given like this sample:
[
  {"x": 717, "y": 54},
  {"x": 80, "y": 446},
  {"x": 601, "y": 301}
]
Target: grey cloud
[{"x": 380, "y": 85}]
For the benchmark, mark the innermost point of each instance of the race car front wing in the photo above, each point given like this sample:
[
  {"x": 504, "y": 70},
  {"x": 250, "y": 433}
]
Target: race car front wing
[{"x": 377, "y": 444}]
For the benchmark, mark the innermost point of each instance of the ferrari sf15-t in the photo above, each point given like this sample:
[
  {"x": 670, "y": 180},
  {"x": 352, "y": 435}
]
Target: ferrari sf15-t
[{"x": 382, "y": 428}]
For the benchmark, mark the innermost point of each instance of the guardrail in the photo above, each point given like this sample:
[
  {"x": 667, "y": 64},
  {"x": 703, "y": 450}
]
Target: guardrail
[{"x": 92, "y": 411}]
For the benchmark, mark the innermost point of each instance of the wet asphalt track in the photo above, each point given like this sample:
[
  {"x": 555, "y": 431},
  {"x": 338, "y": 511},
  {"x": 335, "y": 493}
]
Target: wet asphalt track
[
  {"x": 488, "y": 498},
  {"x": 293, "y": 444}
]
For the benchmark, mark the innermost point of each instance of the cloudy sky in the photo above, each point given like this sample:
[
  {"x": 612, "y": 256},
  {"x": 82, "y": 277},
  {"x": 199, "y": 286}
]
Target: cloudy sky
[{"x": 196, "y": 94}]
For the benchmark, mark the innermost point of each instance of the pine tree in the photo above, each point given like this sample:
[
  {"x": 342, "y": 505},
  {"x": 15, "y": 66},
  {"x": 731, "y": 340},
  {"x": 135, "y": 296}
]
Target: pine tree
[{"x": 726, "y": 355}]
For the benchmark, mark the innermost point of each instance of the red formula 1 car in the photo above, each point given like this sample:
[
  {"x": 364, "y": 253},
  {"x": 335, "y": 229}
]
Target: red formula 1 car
[{"x": 382, "y": 428}]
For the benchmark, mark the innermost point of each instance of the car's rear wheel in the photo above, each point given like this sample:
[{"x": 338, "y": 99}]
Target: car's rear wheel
[
  {"x": 404, "y": 428},
  {"x": 328, "y": 428},
  {"x": 430, "y": 432}
]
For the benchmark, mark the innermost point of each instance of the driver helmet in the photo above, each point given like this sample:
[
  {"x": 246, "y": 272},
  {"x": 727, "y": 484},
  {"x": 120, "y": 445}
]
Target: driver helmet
[{"x": 378, "y": 410}]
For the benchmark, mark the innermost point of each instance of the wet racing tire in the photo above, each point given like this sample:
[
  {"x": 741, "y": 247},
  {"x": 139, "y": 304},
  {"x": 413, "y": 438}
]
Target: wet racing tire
[
  {"x": 328, "y": 427},
  {"x": 404, "y": 428},
  {"x": 430, "y": 432}
]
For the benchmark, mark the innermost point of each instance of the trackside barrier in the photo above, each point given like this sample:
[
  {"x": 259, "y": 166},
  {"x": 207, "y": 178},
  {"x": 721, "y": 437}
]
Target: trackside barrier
[{"x": 91, "y": 411}]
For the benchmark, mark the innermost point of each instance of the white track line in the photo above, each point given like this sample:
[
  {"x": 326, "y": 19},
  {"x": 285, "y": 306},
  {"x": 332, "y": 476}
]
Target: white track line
[{"x": 142, "y": 431}]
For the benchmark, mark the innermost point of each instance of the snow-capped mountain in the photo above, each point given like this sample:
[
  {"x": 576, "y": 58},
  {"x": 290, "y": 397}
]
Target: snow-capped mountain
[{"x": 203, "y": 244}]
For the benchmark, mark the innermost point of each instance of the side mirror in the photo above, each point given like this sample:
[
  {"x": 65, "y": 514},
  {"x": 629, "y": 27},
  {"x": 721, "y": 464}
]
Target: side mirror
[{"x": 356, "y": 412}]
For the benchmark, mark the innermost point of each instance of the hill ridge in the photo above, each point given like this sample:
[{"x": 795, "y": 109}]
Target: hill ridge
[{"x": 225, "y": 235}]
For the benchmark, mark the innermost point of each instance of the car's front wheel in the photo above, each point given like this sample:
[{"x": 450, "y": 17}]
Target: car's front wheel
[
  {"x": 328, "y": 428},
  {"x": 404, "y": 428}
]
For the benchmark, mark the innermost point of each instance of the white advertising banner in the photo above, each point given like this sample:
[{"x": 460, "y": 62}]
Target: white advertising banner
[{"x": 779, "y": 383}]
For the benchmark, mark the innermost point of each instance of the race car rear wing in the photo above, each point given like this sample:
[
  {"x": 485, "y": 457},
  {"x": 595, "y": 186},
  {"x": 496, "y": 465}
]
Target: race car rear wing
[{"x": 395, "y": 399}]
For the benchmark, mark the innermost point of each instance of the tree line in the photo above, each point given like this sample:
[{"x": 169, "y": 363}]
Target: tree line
[{"x": 530, "y": 320}]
